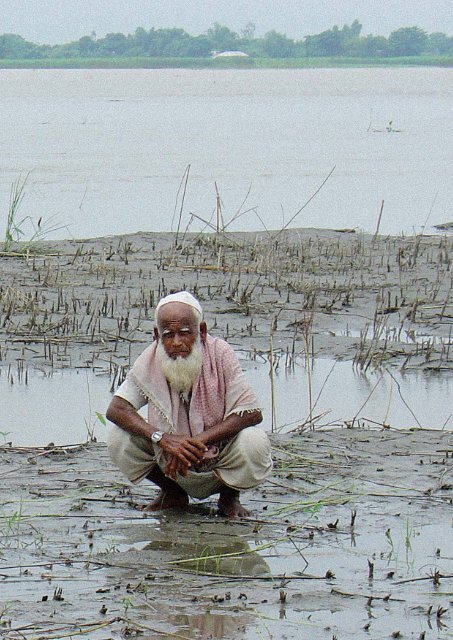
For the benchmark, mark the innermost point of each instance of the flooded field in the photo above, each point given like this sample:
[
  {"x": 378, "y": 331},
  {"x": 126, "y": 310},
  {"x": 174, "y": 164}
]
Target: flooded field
[{"x": 350, "y": 537}]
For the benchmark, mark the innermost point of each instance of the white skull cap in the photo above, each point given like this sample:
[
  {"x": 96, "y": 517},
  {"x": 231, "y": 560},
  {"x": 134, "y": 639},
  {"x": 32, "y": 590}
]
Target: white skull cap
[{"x": 181, "y": 296}]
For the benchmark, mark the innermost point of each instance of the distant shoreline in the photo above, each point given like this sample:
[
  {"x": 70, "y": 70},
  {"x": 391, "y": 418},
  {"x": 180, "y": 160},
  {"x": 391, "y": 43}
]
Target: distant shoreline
[{"x": 225, "y": 63}]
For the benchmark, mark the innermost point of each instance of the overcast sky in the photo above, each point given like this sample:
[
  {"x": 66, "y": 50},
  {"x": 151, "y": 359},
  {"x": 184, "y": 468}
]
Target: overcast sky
[{"x": 57, "y": 21}]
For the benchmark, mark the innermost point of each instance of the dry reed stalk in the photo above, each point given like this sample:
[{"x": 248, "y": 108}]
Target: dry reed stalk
[
  {"x": 378, "y": 223},
  {"x": 271, "y": 375}
]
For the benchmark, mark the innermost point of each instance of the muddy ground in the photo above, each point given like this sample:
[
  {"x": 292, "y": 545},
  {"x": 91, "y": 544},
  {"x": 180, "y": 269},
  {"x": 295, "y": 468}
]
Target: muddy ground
[
  {"x": 352, "y": 535},
  {"x": 90, "y": 303}
]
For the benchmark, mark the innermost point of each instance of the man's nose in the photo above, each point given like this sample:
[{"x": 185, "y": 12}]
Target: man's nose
[{"x": 177, "y": 339}]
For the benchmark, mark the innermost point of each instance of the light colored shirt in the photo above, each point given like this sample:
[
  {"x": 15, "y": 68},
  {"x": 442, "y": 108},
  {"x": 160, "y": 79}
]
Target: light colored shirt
[{"x": 129, "y": 391}]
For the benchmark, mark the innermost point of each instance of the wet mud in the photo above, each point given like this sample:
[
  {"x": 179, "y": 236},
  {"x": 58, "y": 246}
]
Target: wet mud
[
  {"x": 90, "y": 303},
  {"x": 350, "y": 537}
]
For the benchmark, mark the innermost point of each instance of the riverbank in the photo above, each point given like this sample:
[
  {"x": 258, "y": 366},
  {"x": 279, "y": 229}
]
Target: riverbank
[{"x": 224, "y": 62}]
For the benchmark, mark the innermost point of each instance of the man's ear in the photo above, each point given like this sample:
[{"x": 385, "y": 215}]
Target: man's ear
[
  {"x": 203, "y": 331},
  {"x": 156, "y": 334}
]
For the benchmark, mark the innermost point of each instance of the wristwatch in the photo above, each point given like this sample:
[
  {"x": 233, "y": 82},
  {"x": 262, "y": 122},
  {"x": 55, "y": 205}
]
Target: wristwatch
[{"x": 157, "y": 436}]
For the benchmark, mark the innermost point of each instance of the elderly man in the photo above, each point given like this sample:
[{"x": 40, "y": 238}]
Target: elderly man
[{"x": 199, "y": 438}]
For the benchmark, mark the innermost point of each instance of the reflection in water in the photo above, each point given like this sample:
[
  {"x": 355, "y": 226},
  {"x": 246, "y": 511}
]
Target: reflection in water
[
  {"x": 217, "y": 548},
  {"x": 218, "y": 555},
  {"x": 213, "y": 547},
  {"x": 339, "y": 393},
  {"x": 211, "y": 625}
]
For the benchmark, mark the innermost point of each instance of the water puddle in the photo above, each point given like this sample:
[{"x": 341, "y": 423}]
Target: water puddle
[
  {"x": 62, "y": 406},
  {"x": 58, "y": 406},
  {"x": 398, "y": 544},
  {"x": 217, "y": 550},
  {"x": 338, "y": 394},
  {"x": 402, "y": 548},
  {"x": 393, "y": 335}
]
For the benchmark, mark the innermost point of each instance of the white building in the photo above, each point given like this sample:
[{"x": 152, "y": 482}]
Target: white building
[{"x": 230, "y": 54}]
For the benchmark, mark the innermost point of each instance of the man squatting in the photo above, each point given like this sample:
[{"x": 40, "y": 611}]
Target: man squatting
[{"x": 199, "y": 438}]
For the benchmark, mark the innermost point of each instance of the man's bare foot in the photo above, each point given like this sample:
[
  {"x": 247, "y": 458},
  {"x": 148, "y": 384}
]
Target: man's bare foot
[
  {"x": 168, "y": 500},
  {"x": 230, "y": 505},
  {"x": 171, "y": 496}
]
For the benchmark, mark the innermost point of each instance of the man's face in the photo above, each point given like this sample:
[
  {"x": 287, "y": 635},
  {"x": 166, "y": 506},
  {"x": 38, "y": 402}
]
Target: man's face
[{"x": 177, "y": 330}]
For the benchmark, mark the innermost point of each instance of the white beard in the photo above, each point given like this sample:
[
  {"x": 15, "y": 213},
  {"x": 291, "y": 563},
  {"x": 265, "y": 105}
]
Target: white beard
[{"x": 181, "y": 373}]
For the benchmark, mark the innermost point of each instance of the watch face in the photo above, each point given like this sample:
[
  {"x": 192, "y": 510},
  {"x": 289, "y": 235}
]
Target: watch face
[{"x": 157, "y": 436}]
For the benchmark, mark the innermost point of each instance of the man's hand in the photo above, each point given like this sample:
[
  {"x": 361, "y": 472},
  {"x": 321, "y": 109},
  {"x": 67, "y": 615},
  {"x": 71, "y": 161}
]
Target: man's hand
[{"x": 181, "y": 453}]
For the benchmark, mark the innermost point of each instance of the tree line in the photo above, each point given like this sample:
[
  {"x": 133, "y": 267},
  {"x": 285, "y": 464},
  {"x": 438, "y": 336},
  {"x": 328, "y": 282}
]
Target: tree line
[{"x": 347, "y": 41}]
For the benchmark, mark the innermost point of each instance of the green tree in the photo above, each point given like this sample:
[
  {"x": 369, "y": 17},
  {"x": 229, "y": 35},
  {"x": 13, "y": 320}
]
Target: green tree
[
  {"x": 407, "y": 41},
  {"x": 277, "y": 45},
  {"x": 68, "y": 50},
  {"x": 175, "y": 42},
  {"x": 327, "y": 43},
  {"x": 141, "y": 40},
  {"x": 87, "y": 46},
  {"x": 370, "y": 47},
  {"x": 198, "y": 47},
  {"x": 355, "y": 29},
  {"x": 222, "y": 38},
  {"x": 248, "y": 32},
  {"x": 335, "y": 41},
  {"x": 114, "y": 44},
  {"x": 350, "y": 37},
  {"x": 169, "y": 42},
  {"x": 14, "y": 46},
  {"x": 439, "y": 43}
]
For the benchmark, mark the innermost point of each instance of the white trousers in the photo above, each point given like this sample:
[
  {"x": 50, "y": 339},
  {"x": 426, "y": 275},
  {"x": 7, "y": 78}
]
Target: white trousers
[{"x": 242, "y": 464}]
